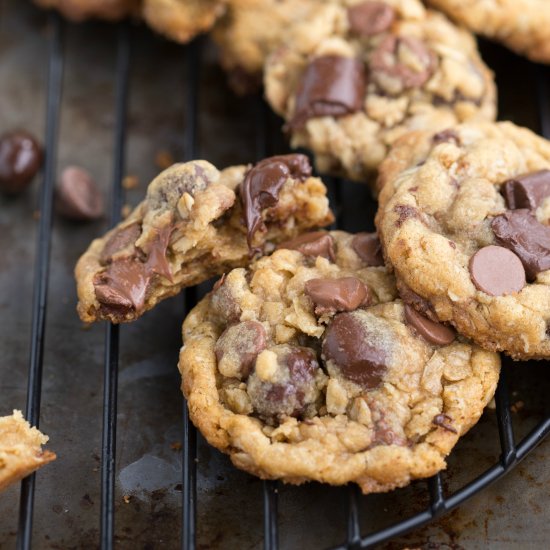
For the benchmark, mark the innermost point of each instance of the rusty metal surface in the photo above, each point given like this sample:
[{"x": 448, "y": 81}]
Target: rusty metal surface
[{"x": 511, "y": 514}]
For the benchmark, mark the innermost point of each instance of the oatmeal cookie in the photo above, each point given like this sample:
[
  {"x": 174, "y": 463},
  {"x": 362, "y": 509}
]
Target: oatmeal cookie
[
  {"x": 464, "y": 221},
  {"x": 20, "y": 449},
  {"x": 196, "y": 222},
  {"x": 79, "y": 10},
  {"x": 362, "y": 74},
  {"x": 522, "y": 25},
  {"x": 307, "y": 366}
]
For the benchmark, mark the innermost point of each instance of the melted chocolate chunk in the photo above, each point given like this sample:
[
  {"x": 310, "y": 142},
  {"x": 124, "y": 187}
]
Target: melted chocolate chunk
[
  {"x": 316, "y": 243},
  {"x": 434, "y": 333},
  {"x": 523, "y": 234},
  {"x": 351, "y": 348},
  {"x": 528, "y": 190},
  {"x": 119, "y": 240},
  {"x": 332, "y": 295},
  {"x": 367, "y": 246},
  {"x": 77, "y": 196},
  {"x": 370, "y": 18},
  {"x": 497, "y": 271},
  {"x": 20, "y": 160},
  {"x": 330, "y": 86},
  {"x": 262, "y": 185}
]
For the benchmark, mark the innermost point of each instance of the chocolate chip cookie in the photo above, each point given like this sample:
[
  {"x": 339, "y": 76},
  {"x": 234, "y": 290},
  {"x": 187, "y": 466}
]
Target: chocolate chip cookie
[
  {"x": 464, "y": 220},
  {"x": 20, "y": 449},
  {"x": 79, "y": 10},
  {"x": 306, "y": 366},
  {"x": 365, "y": 73},
  {"x": 196, "y": 222},
  {"x": 522, "y": 25}
]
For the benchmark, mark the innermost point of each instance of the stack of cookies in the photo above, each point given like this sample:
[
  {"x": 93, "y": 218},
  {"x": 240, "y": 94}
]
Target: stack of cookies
[{"x": 323, "y": 355}]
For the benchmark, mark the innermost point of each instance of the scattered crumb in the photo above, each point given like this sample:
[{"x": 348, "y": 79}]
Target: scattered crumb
[
  {"x": 164, "y": 159},
  {"x": 517, "y": 406},
  {"x": 176, "y": 446},
  {"x": 125, "y": 211},
  {"x": 130, "y": 182},
  {"x": 126, "y": 499}
]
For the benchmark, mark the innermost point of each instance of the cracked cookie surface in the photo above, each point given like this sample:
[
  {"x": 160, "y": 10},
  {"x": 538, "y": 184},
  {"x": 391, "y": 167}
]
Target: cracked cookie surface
[
  {"x": 20, "y": 449},
  {"x": 196, "y": 222},
  {"x": 307, "y": 366},
  {"x": 464, "y": 221},
  {"x": 361, "y": 74}
]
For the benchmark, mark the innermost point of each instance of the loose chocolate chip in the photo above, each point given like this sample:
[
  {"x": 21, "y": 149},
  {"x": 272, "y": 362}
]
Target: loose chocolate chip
[
  {"x": 262, "y": 185},
  {"x": 316, "y": 243},
  {"x": 332, "y": 295},
  {"x": 77, "y": 195},
  {"x": 443, "y": 421},
  {"x": 497, "y": 271},
  {"x": 330, "y": 86},
  {"x": 349, "y": 345},
  {"x": 367, "y": 246},
  {"x": 370, "y": 18},
  {"x": 446, "y": 136},
  {"x": 528, "y": 190},
  {"x": 523, "y": 234},
  {"x": 434, "y": 333},
  {"x": 394, "y": 75},
  {"x": 119, "y": 240},
  {"x": 20, "y": 160}
]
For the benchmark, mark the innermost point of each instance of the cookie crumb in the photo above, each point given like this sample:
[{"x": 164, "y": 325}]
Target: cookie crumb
[{"x": 126, "y": 499}]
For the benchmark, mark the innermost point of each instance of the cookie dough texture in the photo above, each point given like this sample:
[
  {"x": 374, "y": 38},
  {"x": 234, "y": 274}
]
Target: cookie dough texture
[
  {"x": 79, "y": 10},
  {"x": 522, "y": 25},
  {"x": 20, "y": 449},
  {"x": 272, "y": 379},
  {"x": 440, "y": 196},
  {"x": 191, "y": 227},
  {"x": 413, "y": 70}
]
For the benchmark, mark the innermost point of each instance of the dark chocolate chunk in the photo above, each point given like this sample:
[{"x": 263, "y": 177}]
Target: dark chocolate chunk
[
  {"x": 528, "y": 190},
  {"x": 497, "y": 271},
  {"x": 330, "y": 86},
  {"x": 434, "y": 333},
  {"x": 316, "y": 243},
  {"x": 367, "y": 246},
  {"x": 351, "y": 348},
  {"x": 521, "y": 232},
  {"x": 77, "y": 195},
  {"x": 370, "y": 18},
  {"x": 20, "y": 160},
  {"x": 119, "y": 240},
  {"x": 444, "y": 421},
  {"x": 332, "y": 295},
  {"x": 262, "y": 185}
]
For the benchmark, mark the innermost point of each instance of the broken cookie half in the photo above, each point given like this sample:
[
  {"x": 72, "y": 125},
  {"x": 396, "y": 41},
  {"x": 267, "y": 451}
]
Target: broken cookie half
[{"x": 196, "y": 222}]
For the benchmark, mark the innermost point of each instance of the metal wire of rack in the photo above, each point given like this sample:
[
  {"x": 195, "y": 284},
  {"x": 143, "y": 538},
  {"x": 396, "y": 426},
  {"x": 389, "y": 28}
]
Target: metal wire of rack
[{"x": 512, "y": 451}]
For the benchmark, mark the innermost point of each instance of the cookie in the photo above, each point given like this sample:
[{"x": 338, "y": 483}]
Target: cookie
[
  {"x": 79, "y": 10},
  {"x": 464, "y": 221},
  {"x": 195, "y": 223},
  {"x": 362, "y": 74},
  {"x": 307, "y": 366},
  {"x": 20, "y": 449},
  {"x": 521, "y": 25}
]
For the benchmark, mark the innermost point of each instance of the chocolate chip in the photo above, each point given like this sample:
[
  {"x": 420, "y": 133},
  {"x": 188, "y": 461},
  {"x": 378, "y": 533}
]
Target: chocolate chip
[
  {"x": 443, "y": 421},
  {"x": 350, "y": 346},
  {"x": 316, "y": 243},
  {"x": 332, "y": 295},
  {"x": 367, "y": 246},
  {"x": 119, "y": 240},
  {"x": 77, "y": 195},
  {"x": 417, "y": 302},
  {"x": 224, "y": 302},
  {"x": 262, "y": 185},
  {"x": 238, "y": 346},
  {"x": 446, "y": 136},
  {"x": 523, "y": 234},
  {"x": 330, "y": 86},
  {"x": 20, "y": 160},
  {"x": 528, "y": 190},
  {"x": 497, "y": 271},
  {"x": 392, "y": 73},
  {"x": 370, "y": 18},
  {"x": 404, "y": 212},
  {"x": 434, "y": 333}
]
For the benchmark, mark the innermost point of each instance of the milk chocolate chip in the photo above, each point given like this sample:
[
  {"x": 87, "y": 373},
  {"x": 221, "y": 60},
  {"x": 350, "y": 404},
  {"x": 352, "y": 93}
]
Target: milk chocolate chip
[
  {"x": 528, "y": 190},
  {"x": 330, "y": 86},
  {"x": 262, "y": 185},
  {"x": 119, "y": 240},
  {"x": 434, "y": 333},
  {"x": 77, "y": 195},
  {"x": 316, "y": 243},
  {"x": 20, "y": 160},
  {"x": 370, "y": 18},
  {"x": 353, "y": 350},
  {"x": 521, "y": 232},
  {"x": 332, "y": 295},
  {"x": 367, "y": 246},
  {"x": 497, "y": 271}
]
